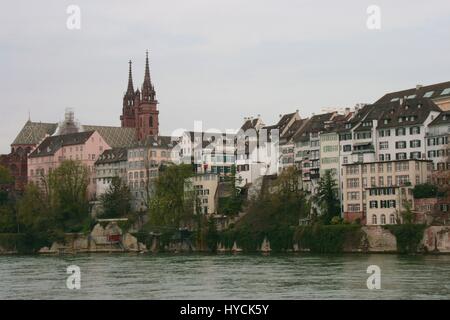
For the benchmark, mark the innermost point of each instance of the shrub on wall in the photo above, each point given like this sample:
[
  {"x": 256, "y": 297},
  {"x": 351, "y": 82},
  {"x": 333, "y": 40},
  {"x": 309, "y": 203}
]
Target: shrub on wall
[
  {"x": 408, "y": 236},
  {"x": 328, "y": 238}
]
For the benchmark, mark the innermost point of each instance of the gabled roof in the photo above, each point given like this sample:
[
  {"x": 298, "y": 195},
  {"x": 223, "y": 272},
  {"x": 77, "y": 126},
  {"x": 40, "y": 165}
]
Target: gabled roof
[
  {"x": 296, "y": 125},
  {"x": 411, "y": 112},
  {"x": 249, "y": 124},
  {"x": 112, "y": 155},
  {"x": 160, "y": 142},
  {"x": 33, "y": 132},
  {"x": 442, "y": 119},
  {"x": 52, "y": 144},
  {"x": 434, "y": 91},
  {"x": 313, "y": 124}
]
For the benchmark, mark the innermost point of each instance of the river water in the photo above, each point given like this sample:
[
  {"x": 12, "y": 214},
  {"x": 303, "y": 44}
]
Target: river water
[{"x": 164, "y": 276}]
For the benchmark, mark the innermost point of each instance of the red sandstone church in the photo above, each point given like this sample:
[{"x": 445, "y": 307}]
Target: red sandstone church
[{"x": 139, "y": 120}]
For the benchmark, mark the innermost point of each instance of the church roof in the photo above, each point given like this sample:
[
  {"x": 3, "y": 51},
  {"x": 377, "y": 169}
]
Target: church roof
[
  {"x": 33, "y": 132},
  {"x": 116, "y": 137}
]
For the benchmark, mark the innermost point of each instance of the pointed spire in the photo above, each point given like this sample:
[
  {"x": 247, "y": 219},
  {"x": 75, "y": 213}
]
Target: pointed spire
[
  {"x": 130, "y": 89},
  {"x": 148, "y": 92}
]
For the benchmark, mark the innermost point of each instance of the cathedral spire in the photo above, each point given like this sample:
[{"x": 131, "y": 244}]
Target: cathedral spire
[
  {"x": 130, "y": 89},
  {"x": 148, "y": 91}
]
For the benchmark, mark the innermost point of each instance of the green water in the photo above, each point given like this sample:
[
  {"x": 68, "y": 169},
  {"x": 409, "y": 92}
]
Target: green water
[{"x": 147, "y": 276}]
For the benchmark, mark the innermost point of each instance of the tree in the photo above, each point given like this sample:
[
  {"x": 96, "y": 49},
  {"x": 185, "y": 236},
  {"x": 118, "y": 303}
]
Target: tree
[
  {"x": 327, "y": 197},
  {"x": 425, "y": 190},
  {"x": 407, "y": 214},
  {"x": 6, "y": 180},
  {"x": 8, "y": 218},
  {"x": 67, "y": 191},
  {"x": 172, "y": 204},
  {"x": 232, "y": 204},
  {"x": 61, "y": 205},
  {"x": 116, "y": 200}
]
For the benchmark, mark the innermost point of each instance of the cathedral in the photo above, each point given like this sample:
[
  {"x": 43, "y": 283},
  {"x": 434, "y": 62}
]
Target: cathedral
[
  {"x": 140, "y": 107},
  {"x": 139, "y": 121}
]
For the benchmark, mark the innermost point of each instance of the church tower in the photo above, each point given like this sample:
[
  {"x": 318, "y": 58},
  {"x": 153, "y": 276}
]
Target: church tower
[
  {"x": 140, "y": 107},
  {"x": 147, "y": 113},
  {"x": 128, "y": 118}
]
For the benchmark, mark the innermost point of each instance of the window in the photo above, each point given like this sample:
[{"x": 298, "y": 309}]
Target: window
[
  {"x": 384, "y": 145},
  {"x": 414, "y": 143},
  {"x": 353, "y": 183},
  {"x": 385, "y": 133},
  {"x": 347, "y": 148},
  {"x": 352, "y": 207},
  {"x": 354, "y": 169},
  {"x": 372, "y": 181},
  {"x": 374, "y": 219},
  {"x": 400, "y": 131},
  {"x": 391, "y": 218},
  {"x": 400, "y": 156},
  {"x": 414, "y": 155},
  {"x": 381, "y": 181},
  {"x": 400, "y": 145},
  {"x": 446, "y": 91},
  {"x": 373, "y": 204},
  {"x": 353, "y": 195},
  {"x": 414, "y": 130},
  {"x": 401, "y": 180},
  {"x": 389, "y": 181},
  {"x": 383, "y": 219}
]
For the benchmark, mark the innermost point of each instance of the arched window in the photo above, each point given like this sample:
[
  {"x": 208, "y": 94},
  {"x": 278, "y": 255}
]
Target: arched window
[
  {"x": 392, "y": 219},
  {"x": 151, "y": 122},
  {"x": 374, "y": 219},
  {"x": 383, "y": 219}
]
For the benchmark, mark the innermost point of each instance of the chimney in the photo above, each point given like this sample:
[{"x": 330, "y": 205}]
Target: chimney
[
  {"x": 346, "y": 111},
  {"x": 419, "y": 86}
]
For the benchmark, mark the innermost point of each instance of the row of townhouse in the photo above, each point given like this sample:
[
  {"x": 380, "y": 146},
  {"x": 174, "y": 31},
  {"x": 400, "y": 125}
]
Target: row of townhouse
[{"x": 410, "y": 125}]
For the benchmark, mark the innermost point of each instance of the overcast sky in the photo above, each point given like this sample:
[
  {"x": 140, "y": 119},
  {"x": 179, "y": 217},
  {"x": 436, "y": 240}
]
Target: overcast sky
[{"x": 213, "y": 60}]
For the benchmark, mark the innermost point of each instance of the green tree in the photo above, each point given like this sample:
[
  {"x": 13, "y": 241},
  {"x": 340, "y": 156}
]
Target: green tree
[
  {"x": 327, "y": 197},
  {"x": 172, "y": 204},
  {"x": 407, "y": 214},
  {"x": 8, "y": 218},
  {"x": 60, "y": 204},
  {"x": 116, "y": 200},
  {"x": 66, "y": 189}
]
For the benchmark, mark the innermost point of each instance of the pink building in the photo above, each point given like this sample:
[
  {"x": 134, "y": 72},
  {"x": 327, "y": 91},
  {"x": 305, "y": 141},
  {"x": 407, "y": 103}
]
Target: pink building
[{"x": 52, "y": 151}]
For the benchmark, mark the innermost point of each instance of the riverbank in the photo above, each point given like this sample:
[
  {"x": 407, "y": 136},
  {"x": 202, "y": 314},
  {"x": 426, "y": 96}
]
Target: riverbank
[{"x": 317, "y": 239}]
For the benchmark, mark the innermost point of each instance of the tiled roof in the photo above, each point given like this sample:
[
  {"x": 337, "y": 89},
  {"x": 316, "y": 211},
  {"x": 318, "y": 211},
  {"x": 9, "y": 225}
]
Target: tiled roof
[
  {"x": 442, "y": 119},
  {"x": 33, "y": 132},
  {"x": 112, "y": 155},
  {"x": 52, "y": 144},
  {"x": 163, "y": 142},
  {"x": 296, "y": 125},
  {"x": 115, "y": 137},
  {"x": 249, "y": 124},
  {"x": 434, "y": 91},
  {"x": 411, "y": 112}
]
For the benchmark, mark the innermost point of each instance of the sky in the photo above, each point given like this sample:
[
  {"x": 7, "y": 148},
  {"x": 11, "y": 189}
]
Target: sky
[{"x": 215, "y": 61}]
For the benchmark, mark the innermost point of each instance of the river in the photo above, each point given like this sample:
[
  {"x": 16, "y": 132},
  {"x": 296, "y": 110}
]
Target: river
[{"x": 196, "y": 276}]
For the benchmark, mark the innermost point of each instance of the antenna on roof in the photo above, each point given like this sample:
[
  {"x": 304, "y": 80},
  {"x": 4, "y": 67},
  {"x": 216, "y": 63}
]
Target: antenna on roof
[{"x": 29, "y": 115}]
